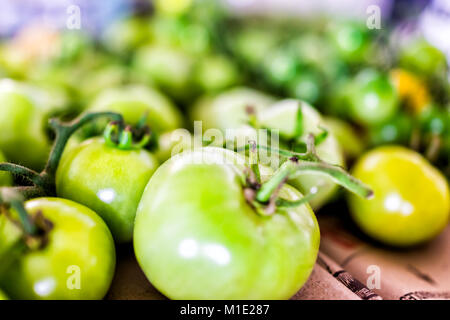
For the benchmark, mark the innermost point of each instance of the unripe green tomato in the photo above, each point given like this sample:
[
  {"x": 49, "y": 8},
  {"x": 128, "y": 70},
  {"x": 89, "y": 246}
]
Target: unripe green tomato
[
  {"x": 282, "y": 116},
  {"x": 306, "y": 86},
  {"x": 134, "y": 102},
  {"x": 351, "y": 40},
  {"x": 5, "y": 177},
  {"x": 373, "y": 98},
  {"x": 397, "y": 130},
  {"x": 196, "y": 236},
  {"x": 411, "y": 202},
  {"x": 348, "y": 138},
  {"x": 77, "y": 262},
  {"x": 227, "y": 110},
  {"x": 435, "y": 120},
  {"x": 125, "y": 35},
  {"x": 172, "y": 143},
  {"x": 280, "y": 66},
  {"x": 94, "y": 82},
  {"x": 23, "y": 139},
  {"x": 215, "y": 72},
  {"x": 107, "y": 180},
  {"x": 73, "y": 44},
  {"x": 252, "y": 44},
  {"x": 421, "y": 57},
  {"x": 167, "y": 67}
]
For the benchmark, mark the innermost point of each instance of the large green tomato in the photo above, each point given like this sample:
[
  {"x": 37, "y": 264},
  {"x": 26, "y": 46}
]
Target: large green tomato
[
  {"x": 77, "y": 262},
  {"x": 196, "y": 236},
  {"x": 412, "y": 200},
  {"x": 134, "y": 101},
  {"x": 282, "y": 116},
  {"x": 228, "y": 109},
  {"x": 108, "y": 180},
  {"x": 23, "y": 139},
  {"x": 5, "y": 177}
]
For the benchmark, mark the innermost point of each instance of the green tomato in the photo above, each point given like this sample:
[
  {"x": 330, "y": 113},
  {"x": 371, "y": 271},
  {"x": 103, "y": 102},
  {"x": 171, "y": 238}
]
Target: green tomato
[
  {"x": 23, "y": 139},
  {"x": 73, "y": 44},
  {"x": 98, "y": 80},
  {"x": 135, "y": 101},
  {"x": 166, "y": 67},
  {"x": 173, "y": 142},
  {"x": 282, "y": 117},
  {"x": 5, "y": 177},
  {"x": 373, "y": 98},
  {"x": 421, "y": 57},
  {"x": 196, "y": 237},
  {"x": 435, "y": 120},
  {"x": 280, "y": 66},
  {"x": 348, "y": 138},
  {"x": 397, "y": 130},
  {"x": 227, "y": 110},
  {"x": 411, "y": 201},
  {"x": 252, "y": 44},
  {"x": 125, "y": 35},
  {"x": 107, "y": 180},
  {"x": 306, "y": 86},
  {"x": 77, "y": 262},
  {"x": 215, "y": 72},
  {"x": 351, "y": 40}
]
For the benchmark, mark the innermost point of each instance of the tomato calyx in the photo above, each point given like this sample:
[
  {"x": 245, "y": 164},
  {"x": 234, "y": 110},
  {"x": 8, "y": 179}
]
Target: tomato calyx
[
  {"x": 264, "y": 197},
  {"x": 124, "y": 139}
]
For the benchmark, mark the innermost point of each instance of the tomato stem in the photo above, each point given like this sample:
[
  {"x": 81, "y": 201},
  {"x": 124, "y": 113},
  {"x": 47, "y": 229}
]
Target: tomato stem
[
  {"x": 63, "y": 133},
  {"x": 253, "y": 158},
  {"x": 294, "y": 166},
  {"x": 15, "y": 201},
  {"x": 44, "y": 182}
]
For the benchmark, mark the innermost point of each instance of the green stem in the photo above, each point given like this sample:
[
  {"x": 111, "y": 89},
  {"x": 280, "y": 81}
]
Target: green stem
[
  {"x": 15, "y": 201},
  {"x": 338, "y": 175},
  {"x": 22, "y": 171},
  {"x": 291, "y": 168},
  {"x": 267, "y": 189},
  {"x": 253, "y": 158}
]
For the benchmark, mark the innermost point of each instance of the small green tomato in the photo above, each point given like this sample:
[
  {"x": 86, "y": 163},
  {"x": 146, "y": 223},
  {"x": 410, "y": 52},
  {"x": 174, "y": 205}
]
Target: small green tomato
[
  {"x": 77, "y": 262},
  {"x": 106, "y": 179}
]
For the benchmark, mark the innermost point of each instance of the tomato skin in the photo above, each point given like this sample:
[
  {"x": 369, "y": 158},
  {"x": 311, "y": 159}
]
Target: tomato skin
[
  {"x": 108, "y": 180},
  {"x": 421, "y": 57},
  {"x": 196, "y": 237},
  {"x": 227, "y": 110},
  {"x": 23, "y": 138},
  {"x": 372, "y": 98},
  {"x": 411, "y": 201},
  {"x": 134, "y": 101},
  {"x": 79, "y": 239}
]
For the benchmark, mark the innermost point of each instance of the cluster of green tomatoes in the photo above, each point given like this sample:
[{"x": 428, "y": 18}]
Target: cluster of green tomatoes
[{"x": 95, "y": 151}]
